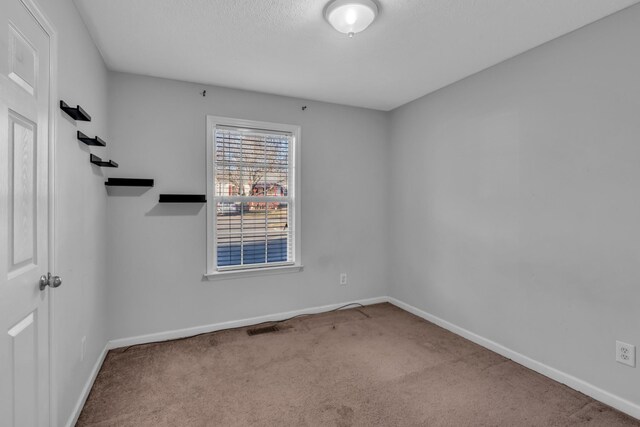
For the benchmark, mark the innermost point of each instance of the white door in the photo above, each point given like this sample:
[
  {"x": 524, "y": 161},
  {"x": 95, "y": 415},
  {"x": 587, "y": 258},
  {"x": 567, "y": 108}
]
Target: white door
[{"x": 24, "y": 215}]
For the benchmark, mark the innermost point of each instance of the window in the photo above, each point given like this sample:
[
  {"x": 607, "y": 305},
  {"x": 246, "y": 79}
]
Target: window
[{"x": 253, "y": 211}]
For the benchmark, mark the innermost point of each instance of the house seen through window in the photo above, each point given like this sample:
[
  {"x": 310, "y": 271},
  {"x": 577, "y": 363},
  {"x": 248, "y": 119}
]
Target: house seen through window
[{"x": 254, "y": 194}]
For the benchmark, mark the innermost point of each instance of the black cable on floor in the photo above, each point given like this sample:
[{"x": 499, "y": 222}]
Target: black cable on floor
[{"x": 268, "y": 322}]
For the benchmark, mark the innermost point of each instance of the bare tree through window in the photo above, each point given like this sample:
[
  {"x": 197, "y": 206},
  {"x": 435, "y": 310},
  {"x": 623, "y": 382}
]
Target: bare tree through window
[
  {"x": 251, "y": 164},
  {"x": 251, "y": 186}
]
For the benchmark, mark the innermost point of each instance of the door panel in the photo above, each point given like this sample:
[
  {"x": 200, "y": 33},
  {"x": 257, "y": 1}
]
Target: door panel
[
  {"x": 24, "y": 217},
  {"x": 22, "y": 61},
  {"x": 22, "y": 193},
  {"x": 24, "y": 366}
]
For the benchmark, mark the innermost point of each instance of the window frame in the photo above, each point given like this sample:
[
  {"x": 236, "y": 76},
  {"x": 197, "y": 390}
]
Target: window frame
[{"x": 213, "y": 271}]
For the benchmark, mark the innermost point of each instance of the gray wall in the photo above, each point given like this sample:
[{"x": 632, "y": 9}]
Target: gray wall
[
  {"x": 517, "y": 215},
  {"x": 157, "y": 253},
  {"x": 81, "y": 205}
]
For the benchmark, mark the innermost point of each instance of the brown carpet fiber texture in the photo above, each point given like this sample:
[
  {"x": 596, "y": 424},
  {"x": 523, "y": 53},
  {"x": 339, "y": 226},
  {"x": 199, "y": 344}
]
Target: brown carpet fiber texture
[{"x": 373, "y": 366}]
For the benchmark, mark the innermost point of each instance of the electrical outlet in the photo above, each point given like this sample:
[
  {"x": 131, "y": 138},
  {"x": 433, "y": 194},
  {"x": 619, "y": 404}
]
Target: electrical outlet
[
  {"x": 626, "y": 353},
  {"x": 343, "y": 278},
  {"x": 83, "y": 348}
]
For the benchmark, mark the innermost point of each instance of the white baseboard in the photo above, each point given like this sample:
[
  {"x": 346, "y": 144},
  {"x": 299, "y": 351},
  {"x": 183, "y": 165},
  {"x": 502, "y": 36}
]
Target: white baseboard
[
  {"x": 597, "y": 393},
  {"x": 87, "y": 388},
  {"x": 181, "y": 333},
  {"x": 186, "y": 332}
]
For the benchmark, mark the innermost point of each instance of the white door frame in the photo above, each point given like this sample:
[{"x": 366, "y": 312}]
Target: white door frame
[{"x": 48, "y": 28}]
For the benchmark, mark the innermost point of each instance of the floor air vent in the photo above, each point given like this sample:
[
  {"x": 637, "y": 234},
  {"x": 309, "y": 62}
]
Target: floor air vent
[{"x": 263, "y": 330}]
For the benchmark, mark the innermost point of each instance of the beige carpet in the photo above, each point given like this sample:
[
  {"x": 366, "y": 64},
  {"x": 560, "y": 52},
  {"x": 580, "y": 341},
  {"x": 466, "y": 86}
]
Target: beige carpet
[{"x": 377, "y": 366}]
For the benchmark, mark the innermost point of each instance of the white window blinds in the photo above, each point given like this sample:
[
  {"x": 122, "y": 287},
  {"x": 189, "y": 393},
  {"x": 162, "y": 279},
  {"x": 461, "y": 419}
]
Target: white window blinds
[{"x": 253, "y": 196}]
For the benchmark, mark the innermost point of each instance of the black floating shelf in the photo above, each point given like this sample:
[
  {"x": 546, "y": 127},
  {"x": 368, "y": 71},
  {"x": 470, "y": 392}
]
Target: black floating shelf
[
  {"x": 129, "y": 182},
  {"x": 91, "y": 141},
  {"x": 99, "y": 162},
  {"x": 183, "y": 198},
  {"x": 76, "y": 113}
]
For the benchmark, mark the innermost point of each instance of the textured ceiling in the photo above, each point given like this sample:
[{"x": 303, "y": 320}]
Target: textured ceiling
[{"x": 286, "y": 47}]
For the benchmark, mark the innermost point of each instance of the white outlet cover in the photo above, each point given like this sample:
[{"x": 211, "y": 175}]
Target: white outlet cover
[{"x": 626, "y": 353}]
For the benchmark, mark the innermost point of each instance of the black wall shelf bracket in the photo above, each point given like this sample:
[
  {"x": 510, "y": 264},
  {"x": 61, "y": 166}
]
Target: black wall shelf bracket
[
  {"x": 91, "y": 141},
  {"x": 183, "y": 198},
  {"x": 129, "y": 182},
  {"x": 76, "y": 113},
  {"x": 103, "y": 164}
]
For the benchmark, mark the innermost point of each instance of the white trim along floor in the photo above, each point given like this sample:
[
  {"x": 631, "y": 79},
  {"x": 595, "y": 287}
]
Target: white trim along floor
[{"x": 597, "y": 393}]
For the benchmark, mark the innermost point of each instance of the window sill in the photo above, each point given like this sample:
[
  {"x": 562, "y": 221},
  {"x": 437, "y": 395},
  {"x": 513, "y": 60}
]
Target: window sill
[{"x": 264, "y": 271}]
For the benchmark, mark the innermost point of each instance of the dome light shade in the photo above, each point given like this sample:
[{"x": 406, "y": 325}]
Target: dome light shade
[{"x": 351, "y": 16}]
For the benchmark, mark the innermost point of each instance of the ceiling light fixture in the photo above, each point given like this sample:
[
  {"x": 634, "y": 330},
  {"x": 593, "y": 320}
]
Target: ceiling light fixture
[{"x": 351, "y": 16}]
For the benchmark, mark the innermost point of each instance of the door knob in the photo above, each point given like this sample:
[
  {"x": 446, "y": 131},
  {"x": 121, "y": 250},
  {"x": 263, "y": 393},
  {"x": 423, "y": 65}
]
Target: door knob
[{"x": 49, "y": 280}]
